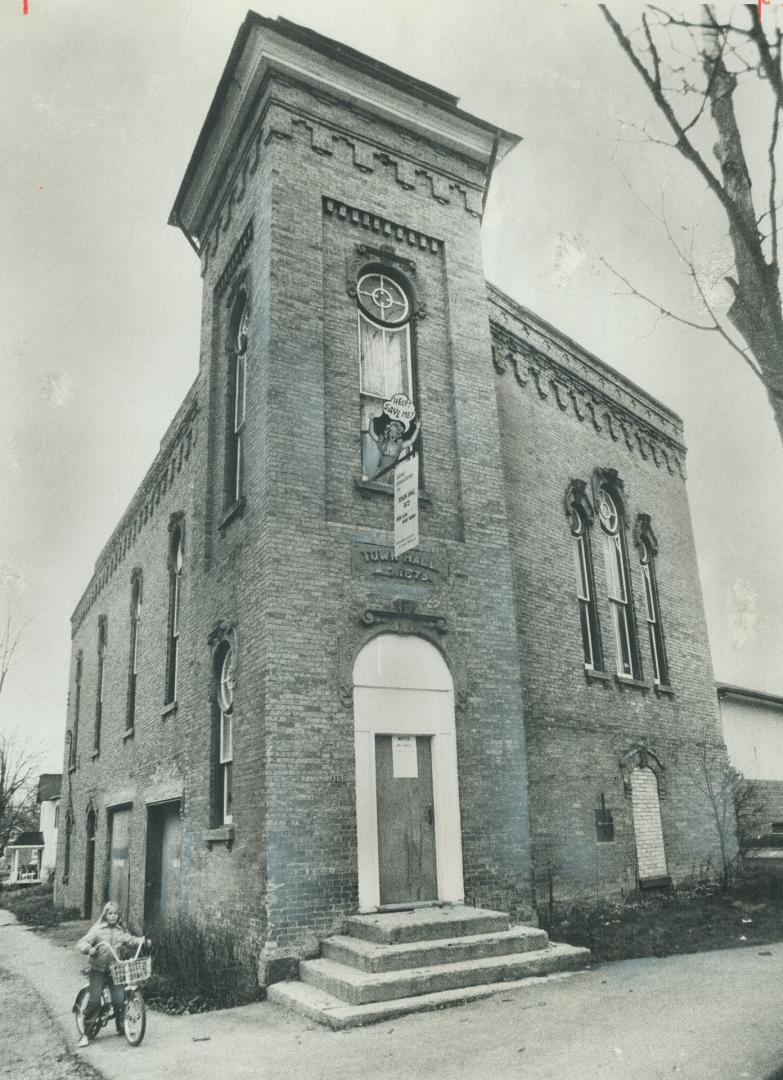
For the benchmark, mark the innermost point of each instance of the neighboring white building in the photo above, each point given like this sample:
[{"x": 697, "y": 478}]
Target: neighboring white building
[
  {"x": 49, "y": 785},
  {"x": 753, "y": 732},
  {"x": 33, "y": 854},
  {"x": 26, "y": 852}
]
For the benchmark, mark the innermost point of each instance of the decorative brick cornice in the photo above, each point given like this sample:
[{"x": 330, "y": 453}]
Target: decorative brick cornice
[
  {"x": 552, "y": 383},
  {"x": 168, "y": 464},
  {"x": 280, "y": 121},
  {"x": 235, "y": 259},
  {"x": 380, "y": 226}
]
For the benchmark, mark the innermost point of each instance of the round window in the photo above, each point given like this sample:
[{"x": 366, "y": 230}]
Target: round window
[
  {"x": 227, "y": 682},
  {"x": 608, "y": 513},
  {"x": 383, "y": 299}
]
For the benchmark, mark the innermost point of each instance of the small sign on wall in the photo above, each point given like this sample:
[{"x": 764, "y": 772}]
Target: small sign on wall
[{"x": 405, "y": 764}]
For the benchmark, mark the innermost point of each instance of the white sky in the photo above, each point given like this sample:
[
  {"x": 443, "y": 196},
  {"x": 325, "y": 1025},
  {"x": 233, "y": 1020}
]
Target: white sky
[{"x": 100, "y": 299}]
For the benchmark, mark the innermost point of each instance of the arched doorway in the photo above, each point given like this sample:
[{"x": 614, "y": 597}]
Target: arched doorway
[
  {"x": 89, "y": 864},
  {"x": 407, "y": 794}
]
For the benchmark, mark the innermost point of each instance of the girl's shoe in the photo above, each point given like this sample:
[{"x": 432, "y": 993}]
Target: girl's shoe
[{"x": 84, "y": 1041}]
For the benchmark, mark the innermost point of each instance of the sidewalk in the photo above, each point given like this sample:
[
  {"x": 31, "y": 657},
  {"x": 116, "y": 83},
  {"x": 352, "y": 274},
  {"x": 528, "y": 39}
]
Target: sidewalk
[{"x": 708, "y": 1016}]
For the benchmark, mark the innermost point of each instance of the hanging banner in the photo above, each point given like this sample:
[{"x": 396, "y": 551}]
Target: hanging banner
[{"x": 406, "y": 505}]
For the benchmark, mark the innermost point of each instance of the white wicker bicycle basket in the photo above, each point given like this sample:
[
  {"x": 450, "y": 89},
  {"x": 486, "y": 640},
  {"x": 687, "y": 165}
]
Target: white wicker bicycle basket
[{"x": 131, "y": 972}]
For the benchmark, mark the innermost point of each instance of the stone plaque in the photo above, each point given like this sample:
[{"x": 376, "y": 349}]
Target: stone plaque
[{"x": 378, "y": 563}]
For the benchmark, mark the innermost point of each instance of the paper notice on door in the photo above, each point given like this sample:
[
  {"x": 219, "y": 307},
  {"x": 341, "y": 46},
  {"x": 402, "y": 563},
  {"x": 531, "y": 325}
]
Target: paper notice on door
[{"x": 405, "y": 764}]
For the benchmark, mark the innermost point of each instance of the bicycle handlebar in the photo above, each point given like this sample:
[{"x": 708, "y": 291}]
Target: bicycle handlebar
[{"x": 136, "y": 955}]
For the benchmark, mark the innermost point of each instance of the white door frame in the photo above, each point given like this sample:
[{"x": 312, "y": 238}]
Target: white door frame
[{"x": 426, "y": 710}]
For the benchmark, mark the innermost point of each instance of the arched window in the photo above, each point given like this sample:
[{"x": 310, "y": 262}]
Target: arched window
[
  {"x": 102, "y": 626},
  {"x": 223, "y": 736},
  {"x": 385, "y": 369},
  {"x": 175, "y": 579},
  {"x": 133, "y": 666},
  {"x": 235, "y": 416},
  {"x": 580, "y": 514},
  {"x": 618, "y": 583},
  {"x": 77, "y": 705},
  {"x": 67, "y": 845},
  {"x": 648, "y": 549}
]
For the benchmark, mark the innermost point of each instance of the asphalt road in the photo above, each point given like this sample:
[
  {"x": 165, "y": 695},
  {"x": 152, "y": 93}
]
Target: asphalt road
[{"x": 708, "y": 1016}]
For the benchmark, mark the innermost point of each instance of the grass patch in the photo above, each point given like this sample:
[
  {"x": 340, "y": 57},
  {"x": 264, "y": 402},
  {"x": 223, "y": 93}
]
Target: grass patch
[
  {"x": 197, "y": 968},
  {"x": 671, "y": 923},
  {"x": 34, "y": 905}
]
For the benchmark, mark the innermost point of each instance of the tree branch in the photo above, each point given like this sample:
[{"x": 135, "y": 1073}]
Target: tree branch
[
  {"x": 8, "y": 644},
  {"x": 773, "y": 212},
  {"x": 717, "y": 325},
  {"x": 684, "y": 145},
  {"x": 769, "y": 64}
]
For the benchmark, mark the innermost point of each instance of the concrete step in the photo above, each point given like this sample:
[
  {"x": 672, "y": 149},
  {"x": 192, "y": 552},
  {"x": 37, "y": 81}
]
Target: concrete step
[
  {"x": 424, "y": 924},
  {"x": 372, "y": 957},
  {"x": 362, "y": 988},
  {"x": 326, "y": 1009}
]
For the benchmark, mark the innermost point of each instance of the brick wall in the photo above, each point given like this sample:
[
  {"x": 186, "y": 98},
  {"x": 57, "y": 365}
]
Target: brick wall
[
  {"x": 563, "y": 415},
  {"x": 315, "y": 191}
]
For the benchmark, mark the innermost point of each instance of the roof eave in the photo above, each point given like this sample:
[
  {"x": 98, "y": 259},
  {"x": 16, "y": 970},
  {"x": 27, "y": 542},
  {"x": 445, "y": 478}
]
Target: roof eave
[{"x": 441, "y": 121}]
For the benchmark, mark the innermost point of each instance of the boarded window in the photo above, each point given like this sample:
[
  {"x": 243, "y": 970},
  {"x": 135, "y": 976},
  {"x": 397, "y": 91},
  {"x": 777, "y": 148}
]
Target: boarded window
[{"x": 650, "y": 854}]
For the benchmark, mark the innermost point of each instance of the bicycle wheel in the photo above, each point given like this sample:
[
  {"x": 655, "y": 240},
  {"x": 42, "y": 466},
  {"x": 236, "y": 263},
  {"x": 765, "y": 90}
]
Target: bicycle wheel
[
  {"x": 135, "y": 1017},
  {"x": 79, "y": 1006}
]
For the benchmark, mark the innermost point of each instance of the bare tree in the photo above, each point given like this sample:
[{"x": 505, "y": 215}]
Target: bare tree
[
  {"x": 8, "y": 643},
  {"x": 692, "y": 70},
  {"x": 736, "y": 807},
  {"x": 18, "y": 771},
  {"x": 18, "y": 766}
]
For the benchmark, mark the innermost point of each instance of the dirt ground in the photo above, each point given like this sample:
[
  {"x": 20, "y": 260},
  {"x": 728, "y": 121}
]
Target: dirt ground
[
  {"x": 671, "y": 924},
  {"x": 33, "y": 1046}
]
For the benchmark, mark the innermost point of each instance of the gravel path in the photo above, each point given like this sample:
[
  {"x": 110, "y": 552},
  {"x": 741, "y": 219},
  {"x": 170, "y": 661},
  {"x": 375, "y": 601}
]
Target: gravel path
[{"x": 34, "y": 1048}]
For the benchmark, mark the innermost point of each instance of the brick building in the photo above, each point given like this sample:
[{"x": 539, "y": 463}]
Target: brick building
[{"x": 274, "y": 722}]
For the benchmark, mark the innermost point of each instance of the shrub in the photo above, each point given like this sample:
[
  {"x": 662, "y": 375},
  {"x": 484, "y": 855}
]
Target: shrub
[
  {"x": 198, "y": 967},
  {"x": 34, "y": 905}
]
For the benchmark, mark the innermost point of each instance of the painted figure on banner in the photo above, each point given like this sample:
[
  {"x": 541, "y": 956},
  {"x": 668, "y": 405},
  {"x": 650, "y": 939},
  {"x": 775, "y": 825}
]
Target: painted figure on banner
[{"x": 389, "y": 436}]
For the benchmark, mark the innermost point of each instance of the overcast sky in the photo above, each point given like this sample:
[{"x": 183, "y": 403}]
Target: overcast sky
[{"x": 99, "y": 324}]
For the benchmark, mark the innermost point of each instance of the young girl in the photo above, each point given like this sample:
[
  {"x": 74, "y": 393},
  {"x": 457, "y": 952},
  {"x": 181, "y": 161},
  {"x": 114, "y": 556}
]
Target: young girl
[{"x": 107, "y": 934}]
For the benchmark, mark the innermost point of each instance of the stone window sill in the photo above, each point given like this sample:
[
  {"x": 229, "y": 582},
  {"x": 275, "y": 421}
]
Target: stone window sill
[
  {"x": 367, "y": 487},
  {"x": 169, "y": 710},
  {"x": 234, "y": 511},
  {"x": 95, "y": 754},
  {"x": 627, "y": 680},
  {"x": 597, "y": 676},
  {"x": 223, "y": 834},
  {"x": 128, "y": 734},
  {"x": 665, "y": 691},
  {"x": 71, "y": 768},
  {"x": 655, "y": 882}
]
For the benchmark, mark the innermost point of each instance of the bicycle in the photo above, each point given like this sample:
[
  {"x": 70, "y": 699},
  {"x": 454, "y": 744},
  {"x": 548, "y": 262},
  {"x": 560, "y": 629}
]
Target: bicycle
[{"x": 128, "y": 974}]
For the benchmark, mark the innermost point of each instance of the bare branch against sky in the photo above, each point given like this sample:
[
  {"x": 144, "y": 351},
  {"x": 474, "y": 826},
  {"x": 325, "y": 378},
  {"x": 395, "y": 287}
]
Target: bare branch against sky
[{"x": 755, "y": 312}]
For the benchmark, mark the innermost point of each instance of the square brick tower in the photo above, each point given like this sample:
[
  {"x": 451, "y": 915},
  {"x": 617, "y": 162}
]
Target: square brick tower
[{"x": 336, "y": 205}]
